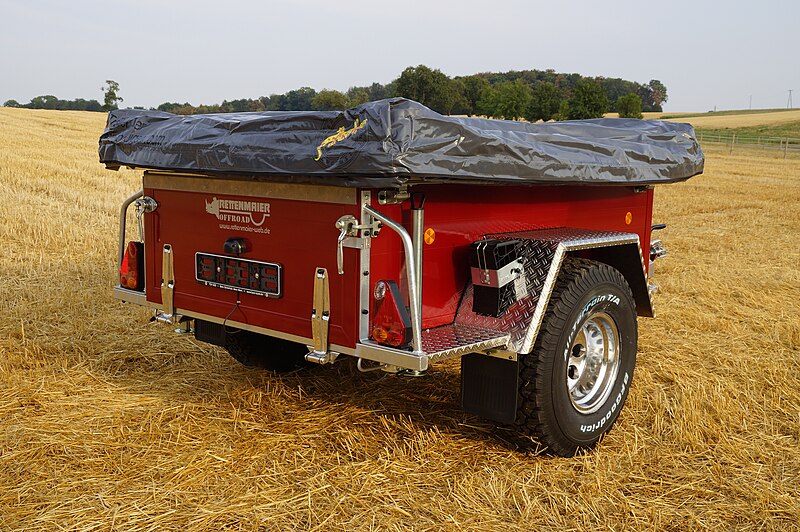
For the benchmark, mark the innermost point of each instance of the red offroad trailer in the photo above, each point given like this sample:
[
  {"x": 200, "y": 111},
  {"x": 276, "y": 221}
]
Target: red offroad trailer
[{"x": 403, "y": 238}]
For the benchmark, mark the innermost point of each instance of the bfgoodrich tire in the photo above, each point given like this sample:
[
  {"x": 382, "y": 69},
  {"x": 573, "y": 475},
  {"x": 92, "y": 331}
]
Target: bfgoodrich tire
[
  {"x": 259, "y": 351},
  {"x": 575, "y": 381}
]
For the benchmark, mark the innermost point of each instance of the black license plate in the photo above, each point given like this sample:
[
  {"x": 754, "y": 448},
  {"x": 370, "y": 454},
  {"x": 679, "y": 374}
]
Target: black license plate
[{"x": 241, "y": 275}]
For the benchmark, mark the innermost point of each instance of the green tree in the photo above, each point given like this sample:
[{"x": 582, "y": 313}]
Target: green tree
[
  {"x": 273, "y": 102},
  {"x": 243, "y": 105},
  {"x": 545, "y": 101},
  {"x": 659, "y": 93},
  {"x": 588, "y": 100},
  {"x": 357, "y": 96},
  {"x": 452, "y": 97},
  {"x": 47, "y": 101},
  {"x": 377, "y": 92},
  {"x": 329, "y": 100},
  {"x": 429, "y": 87},
  {"x": 629, "y": 106},
  {"x": 513, "y": 100},
  {"x": 298, "y": 100},
  {"x": 563, "y": 111},
  {"x": 474, "y": 87},
  {"x": 11, "y": 103},
  {"x": 111, "y": 95},
  {"x": 486, "y": 104}
]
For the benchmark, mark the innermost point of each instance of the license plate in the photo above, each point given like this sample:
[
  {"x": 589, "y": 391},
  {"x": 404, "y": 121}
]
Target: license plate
[{"x": 241, "y": 275}]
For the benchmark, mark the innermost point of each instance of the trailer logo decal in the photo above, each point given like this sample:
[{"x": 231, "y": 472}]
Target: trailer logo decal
[
  {"x": 339, "y": 136},
  {"x": 251, "y": 213}
]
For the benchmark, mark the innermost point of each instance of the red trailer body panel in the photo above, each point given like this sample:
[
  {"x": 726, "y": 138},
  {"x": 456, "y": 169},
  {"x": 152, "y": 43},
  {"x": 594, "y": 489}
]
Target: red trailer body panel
[
  {"x": 461, "y": 215},
  {"x": 297, "y": 232}
]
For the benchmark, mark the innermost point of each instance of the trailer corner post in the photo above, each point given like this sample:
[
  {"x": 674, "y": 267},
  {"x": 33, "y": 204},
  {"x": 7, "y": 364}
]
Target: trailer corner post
[
  {"x": 413, "y": 292},
  {"x": 418, "y": 233}
]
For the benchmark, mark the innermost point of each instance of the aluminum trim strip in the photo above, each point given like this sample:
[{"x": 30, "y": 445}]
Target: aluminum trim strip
[
  {"x": 393, "y": 357},
  {"x": 138, "y": 298},
  {"x": 130, "y": 296},
  {"x": 235, "y": 186},
  {"x": 364, "y": 274},
  {"x": 269, "y": 332}
]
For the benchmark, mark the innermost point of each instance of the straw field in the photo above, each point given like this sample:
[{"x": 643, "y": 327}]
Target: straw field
[
  {"x": 751, "y": 119},
  {"x": 109, "y": 422}
]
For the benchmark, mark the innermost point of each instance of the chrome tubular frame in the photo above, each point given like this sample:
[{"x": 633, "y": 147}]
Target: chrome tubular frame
[
  {"x": 123, "y": 221},
  {"x": 411, "y": 270}
]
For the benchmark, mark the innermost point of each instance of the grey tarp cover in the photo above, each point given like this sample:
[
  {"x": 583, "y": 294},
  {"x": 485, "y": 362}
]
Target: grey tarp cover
[{"x": 393, "y": 141}]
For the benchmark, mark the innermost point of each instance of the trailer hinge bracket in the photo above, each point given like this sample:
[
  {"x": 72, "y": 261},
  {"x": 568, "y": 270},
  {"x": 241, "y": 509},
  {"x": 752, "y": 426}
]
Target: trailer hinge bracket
[
  {"x": 168, "y": 290},
  {"x": 320, "y": 320}
]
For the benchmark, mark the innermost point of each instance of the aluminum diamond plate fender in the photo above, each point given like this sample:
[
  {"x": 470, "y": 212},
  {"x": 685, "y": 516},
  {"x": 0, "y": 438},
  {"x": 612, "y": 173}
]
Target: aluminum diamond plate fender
[{"x": 541, "y": 253}]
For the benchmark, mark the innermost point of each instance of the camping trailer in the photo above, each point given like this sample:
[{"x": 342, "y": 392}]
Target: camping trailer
[{"x": 403, "y": 238}]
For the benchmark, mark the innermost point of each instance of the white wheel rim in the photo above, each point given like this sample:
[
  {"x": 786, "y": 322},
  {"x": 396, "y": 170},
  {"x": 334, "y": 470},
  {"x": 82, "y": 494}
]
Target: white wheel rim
[{"x": 593, "y": 362}]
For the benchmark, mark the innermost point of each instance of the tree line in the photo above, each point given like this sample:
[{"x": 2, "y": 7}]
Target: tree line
[
  {"x": 529, "y": 94},
  {"x": 111, "y": 98}
]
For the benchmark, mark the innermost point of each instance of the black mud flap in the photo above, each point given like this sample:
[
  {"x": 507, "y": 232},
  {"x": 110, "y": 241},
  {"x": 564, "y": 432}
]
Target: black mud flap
[
  {"x": 489, "y": 387},
  {"x": 212, "y": 333}
]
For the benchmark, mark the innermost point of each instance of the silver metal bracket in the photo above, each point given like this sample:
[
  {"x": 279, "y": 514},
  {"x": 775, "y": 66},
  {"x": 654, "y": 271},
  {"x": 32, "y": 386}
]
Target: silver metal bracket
[
  {"x": 320, "y": 320},
  {"x": 497, "y": 278},
  {"x": 184, "y": 325},
  {"x": 167, "y": 284},
  {"x": 141, "y": 206},
  {"x": 353, "y": 235},
  {"x": 174, "y": 319},
  {"x": 502, "y": 353},
  {"x": 657, "y": 251},
  {"x": 393, "y": 197}
]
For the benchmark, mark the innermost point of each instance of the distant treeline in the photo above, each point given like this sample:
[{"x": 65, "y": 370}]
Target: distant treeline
[
  {"x": 529, "y": 94},
  {"x": 51, "y": 102}
]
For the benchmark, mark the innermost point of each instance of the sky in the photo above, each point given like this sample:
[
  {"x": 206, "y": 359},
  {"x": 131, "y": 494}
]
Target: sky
[{"x": 708, "y": 54}]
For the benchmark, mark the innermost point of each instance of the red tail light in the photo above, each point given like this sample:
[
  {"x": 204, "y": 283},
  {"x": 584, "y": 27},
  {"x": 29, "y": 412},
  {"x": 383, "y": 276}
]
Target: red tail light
[
  {"x": 391, "y": 323},
  {"x": 131, "y": 273}
]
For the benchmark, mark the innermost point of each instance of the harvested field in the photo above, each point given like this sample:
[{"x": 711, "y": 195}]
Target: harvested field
[
  {"x": 712, "y": 120},
  {"x": 110, "y": 422}
]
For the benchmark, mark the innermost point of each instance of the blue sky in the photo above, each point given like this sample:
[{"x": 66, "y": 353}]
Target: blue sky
[{"x": 707, "y": 53}]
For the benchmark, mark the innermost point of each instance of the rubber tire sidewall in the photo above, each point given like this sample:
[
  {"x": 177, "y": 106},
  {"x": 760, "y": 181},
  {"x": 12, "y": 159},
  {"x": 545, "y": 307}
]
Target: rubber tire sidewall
[{"x": 586, "y": 429}]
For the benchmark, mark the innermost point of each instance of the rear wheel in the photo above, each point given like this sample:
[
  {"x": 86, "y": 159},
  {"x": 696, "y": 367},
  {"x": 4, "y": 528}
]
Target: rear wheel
[
  {"x": 259, "y": 351},
  {"x": 575, "y": 381}
]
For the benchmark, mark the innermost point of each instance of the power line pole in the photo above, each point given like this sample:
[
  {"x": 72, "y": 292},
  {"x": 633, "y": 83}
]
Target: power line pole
[
  {"x": 751, "y": 102},
  {"x": 789, "y": 101}
]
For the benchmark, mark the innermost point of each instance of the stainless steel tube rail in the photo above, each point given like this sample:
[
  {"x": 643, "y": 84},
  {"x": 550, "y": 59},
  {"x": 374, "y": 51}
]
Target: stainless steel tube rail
[
  {"x": 123, "y": 220},
  {"x": 411, "y": 274},
  {"x": 418, "y": 235}
]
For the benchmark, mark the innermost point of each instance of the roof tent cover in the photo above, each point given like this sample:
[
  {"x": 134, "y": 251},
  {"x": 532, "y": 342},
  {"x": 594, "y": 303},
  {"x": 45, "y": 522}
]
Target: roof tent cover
[{"x": 394, "y": 141}]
